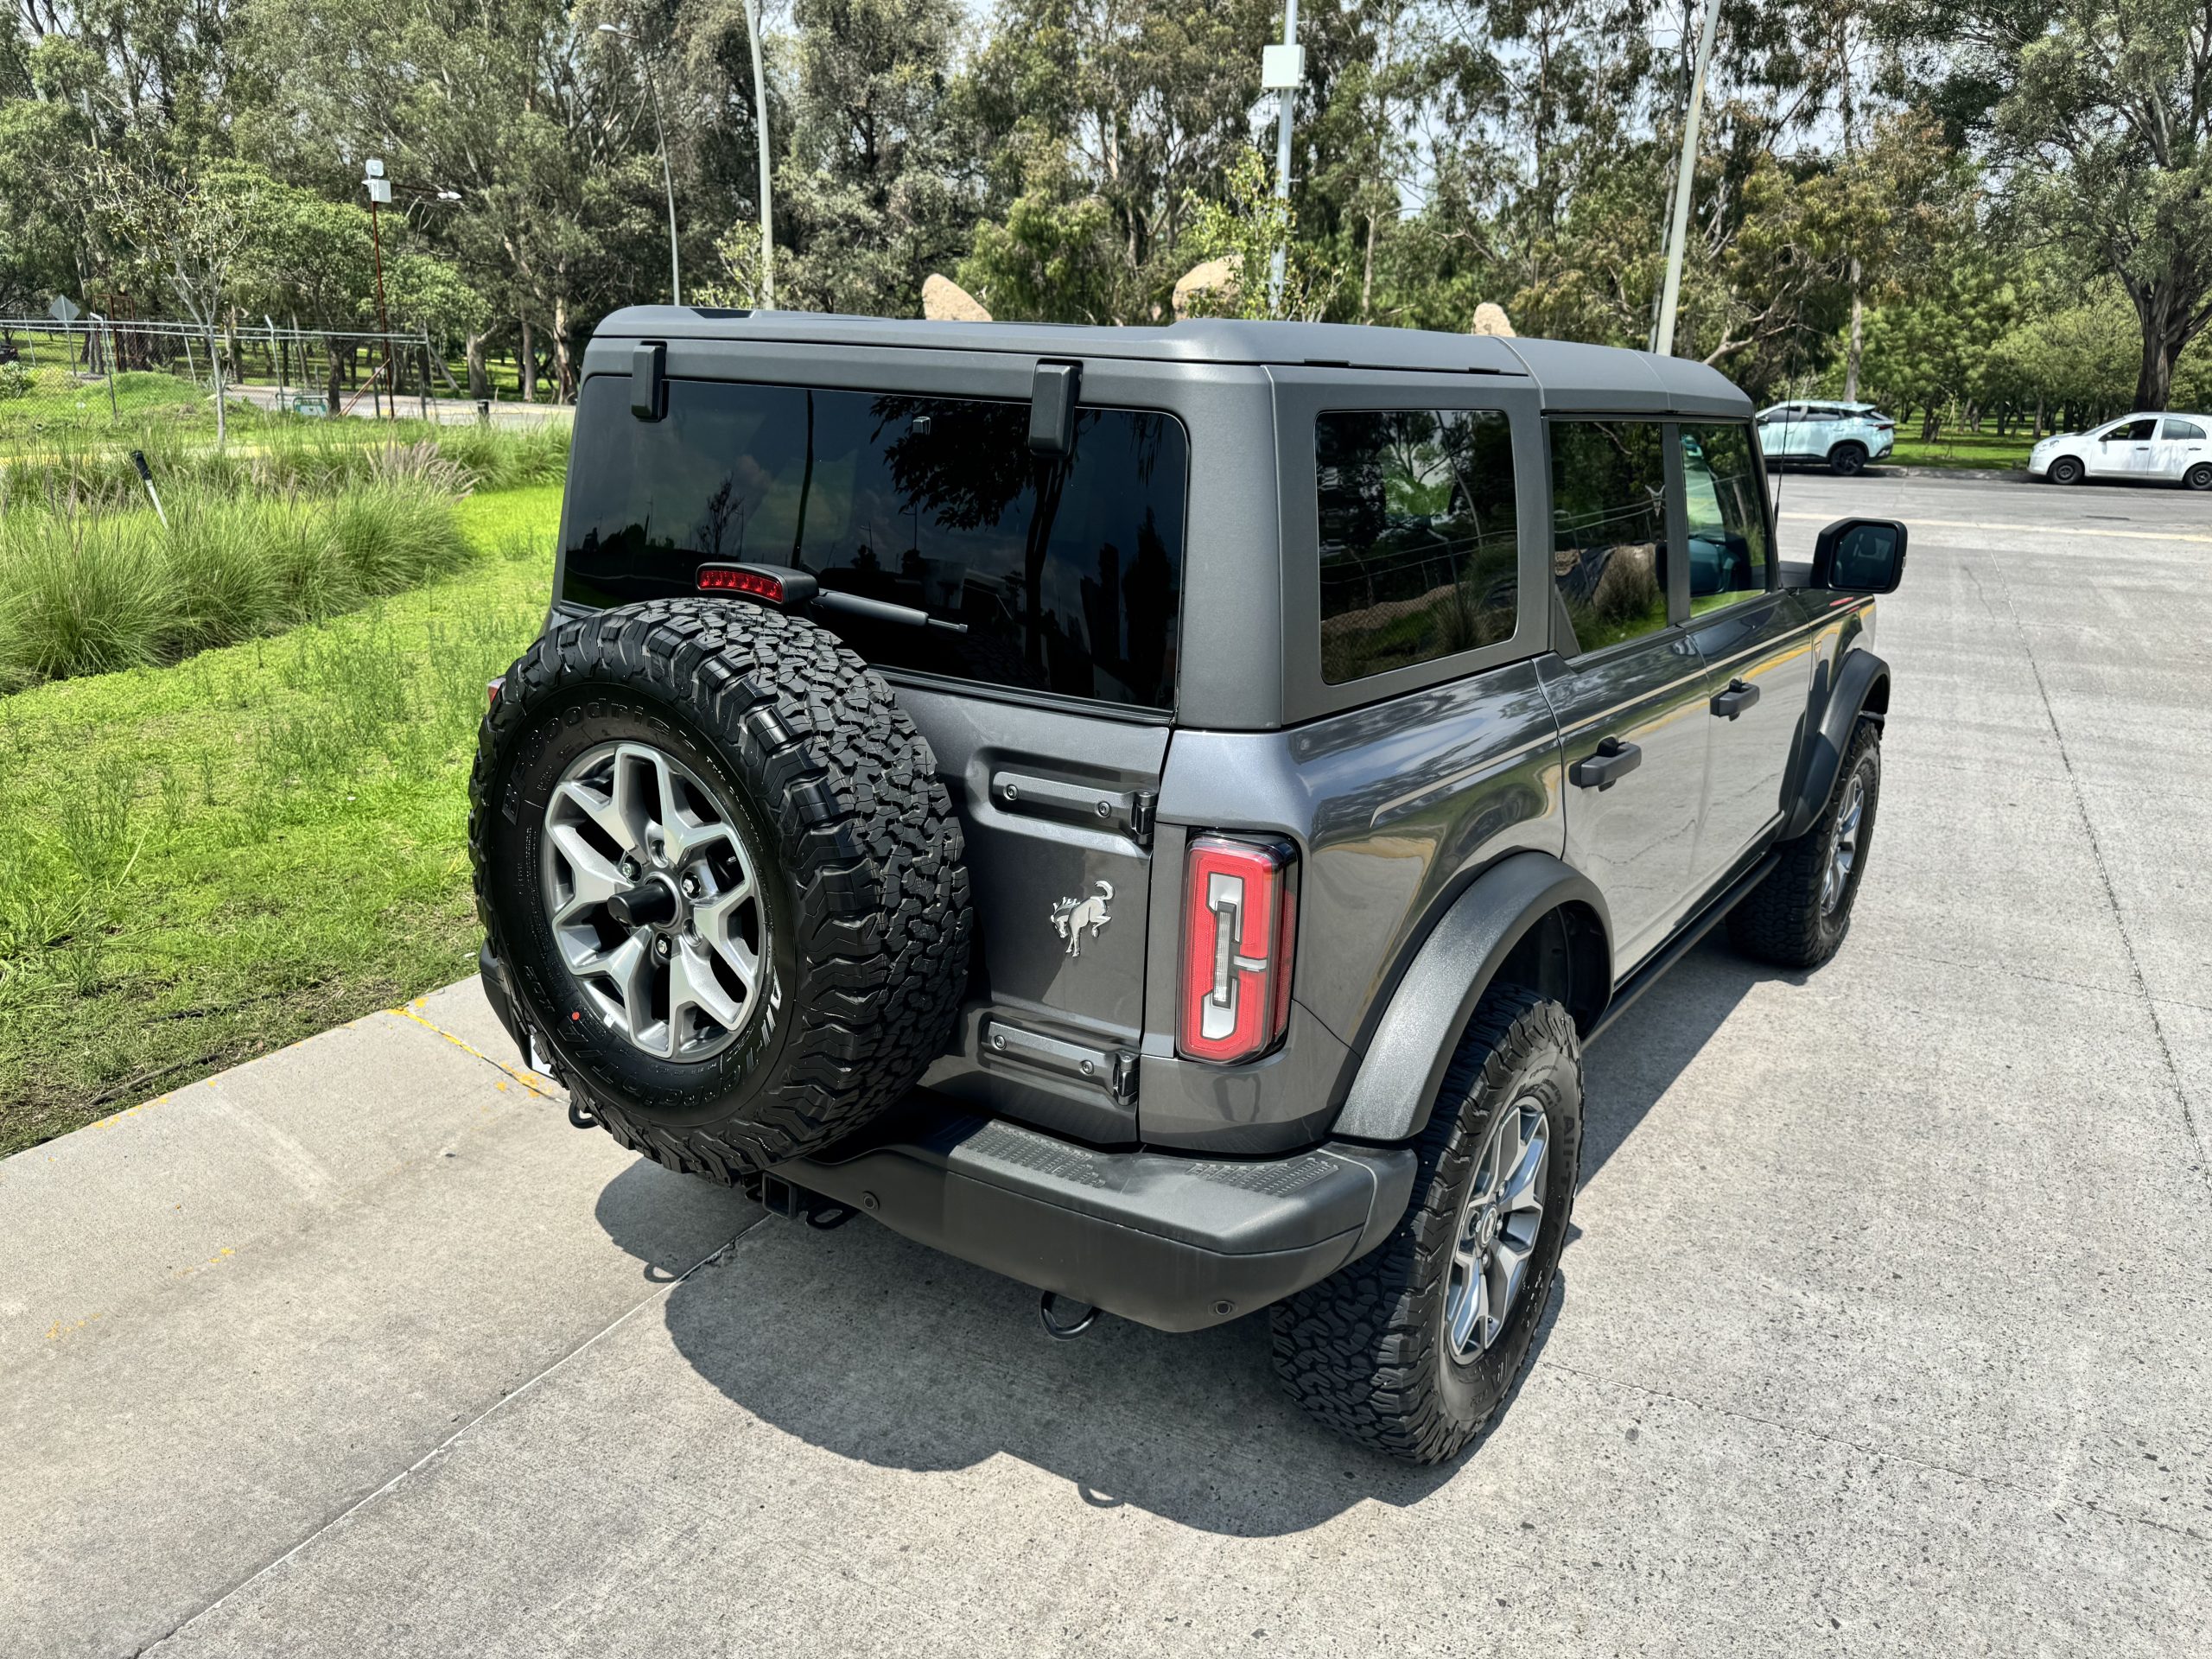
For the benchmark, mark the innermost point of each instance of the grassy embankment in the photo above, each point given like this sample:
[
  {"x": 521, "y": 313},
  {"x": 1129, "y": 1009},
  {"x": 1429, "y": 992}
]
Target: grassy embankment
[
  {"x": 203, "y": 862},
  {"x": 1964, "y": 450}
]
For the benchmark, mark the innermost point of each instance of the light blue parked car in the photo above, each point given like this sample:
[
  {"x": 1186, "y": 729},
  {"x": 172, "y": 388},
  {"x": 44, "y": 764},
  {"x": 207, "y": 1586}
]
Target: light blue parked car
[{"x": 1843, "y": 437}]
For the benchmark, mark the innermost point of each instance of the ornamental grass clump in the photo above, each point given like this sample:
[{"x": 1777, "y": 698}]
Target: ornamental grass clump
[{"x": 90, "y": 590}]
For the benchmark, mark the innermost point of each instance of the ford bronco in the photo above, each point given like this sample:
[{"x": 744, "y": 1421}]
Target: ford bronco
[{"x": 1159, "y": 813}]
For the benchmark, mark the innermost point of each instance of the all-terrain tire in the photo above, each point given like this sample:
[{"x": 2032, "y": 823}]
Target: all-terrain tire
[
  {"x": 1847, "y": 460},
  {"x": 2066, "y": 469},
  {"x": 1365, "y": 1351},
  {"x": 1786, "y": 919},
  {"x": 850, "y": 834}
]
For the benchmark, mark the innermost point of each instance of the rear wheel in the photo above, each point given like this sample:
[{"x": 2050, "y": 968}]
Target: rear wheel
[
  {"x": 1846, "y": 460},
  {"x": 1797, "y": 917},
  {"x": 2199, "y": 477},
  {"x": 1413, "y": 1348},
  {"x": 2066, "y": 469}
]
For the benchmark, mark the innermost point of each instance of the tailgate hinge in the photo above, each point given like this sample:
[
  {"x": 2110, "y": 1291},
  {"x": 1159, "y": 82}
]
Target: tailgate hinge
[{"x": 1128, "y": 812}]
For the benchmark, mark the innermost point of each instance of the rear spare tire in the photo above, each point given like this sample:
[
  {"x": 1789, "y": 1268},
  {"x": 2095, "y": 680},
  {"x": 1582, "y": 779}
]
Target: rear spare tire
[{"x": 715, "y": 857}]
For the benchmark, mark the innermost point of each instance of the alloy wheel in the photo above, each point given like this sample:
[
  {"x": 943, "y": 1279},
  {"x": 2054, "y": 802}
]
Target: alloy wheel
[
  {"x": 1495, "y": 1235},
  {"x": 1843, "y": 847},
  {"x": 653, "y": 900}
]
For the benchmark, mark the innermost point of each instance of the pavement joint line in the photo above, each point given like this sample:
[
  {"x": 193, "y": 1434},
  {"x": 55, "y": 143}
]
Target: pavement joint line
[
  {"x": 2104, "y": 876},
  {"x": 2120, "y": 991},
  {"x": 530, "y": 1080},
  {"x": 661, "y": 1292},
  {"x": 1990, "y": 1482}
]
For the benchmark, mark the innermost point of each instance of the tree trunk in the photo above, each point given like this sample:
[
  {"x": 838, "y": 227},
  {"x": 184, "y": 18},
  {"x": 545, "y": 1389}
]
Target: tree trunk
[
  {"x": 526, "y": 366},
  {"x": 479, "y": 383},
  {"x": 563, "y": 382},
  {"x": 1856, "y": 349},
  {"x": 1367, "y": 275}
]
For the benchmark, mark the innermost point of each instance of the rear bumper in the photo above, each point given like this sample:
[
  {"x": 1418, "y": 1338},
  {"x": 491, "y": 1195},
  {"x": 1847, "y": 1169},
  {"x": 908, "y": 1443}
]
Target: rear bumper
[{"x": 1175, "y": 1243}]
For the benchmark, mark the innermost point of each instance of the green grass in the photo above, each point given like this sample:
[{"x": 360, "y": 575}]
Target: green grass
[
  {"x": 93, "y": 591},
  {"x": 56, "y": 403},
  {"x": 1962, "y": 450},
  {"x": 202, "y": 863}
]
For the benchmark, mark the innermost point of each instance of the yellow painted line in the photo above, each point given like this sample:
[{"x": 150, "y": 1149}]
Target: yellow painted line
[
  {"x": 2033, "y": 529},
  {"x": 529, "y": 1080}
]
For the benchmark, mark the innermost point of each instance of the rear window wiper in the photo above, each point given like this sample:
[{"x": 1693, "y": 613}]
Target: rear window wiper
[{"x": 880, "y": 610}]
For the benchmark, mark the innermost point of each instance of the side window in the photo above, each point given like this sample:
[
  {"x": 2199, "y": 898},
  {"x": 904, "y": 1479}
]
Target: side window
[
  {"x": 1419, "y": 536},
  {"x": 1727, "y": 533},
  {"x": 2130, "y": 432},
  {"x": 1609, "y": 528},
  {"x": 2184, "y": 431}
]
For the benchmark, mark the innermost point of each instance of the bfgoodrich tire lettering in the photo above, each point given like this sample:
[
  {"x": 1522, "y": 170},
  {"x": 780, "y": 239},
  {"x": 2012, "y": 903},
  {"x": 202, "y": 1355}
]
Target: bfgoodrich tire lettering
[
  {"x": 1368, "y": 1351},
  {"x": 835, "y": 799}
]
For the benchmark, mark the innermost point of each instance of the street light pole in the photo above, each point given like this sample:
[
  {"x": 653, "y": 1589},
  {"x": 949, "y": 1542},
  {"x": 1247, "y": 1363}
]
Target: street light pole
[
  {"x": 1283, "y": 75},
  {"x": 667, "y": 178},
  {"x": 760, "y": 133},
  {"x": 1663, "y": 337},
  {"x": 380, "y": 192}
]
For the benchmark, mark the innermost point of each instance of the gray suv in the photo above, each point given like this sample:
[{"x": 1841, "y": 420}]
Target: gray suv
[{"x": 1160, "y": 812}]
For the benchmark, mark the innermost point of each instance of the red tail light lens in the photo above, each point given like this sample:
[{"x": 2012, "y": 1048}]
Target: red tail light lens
[
  {"x": 1238, "y": 926},
  {"x": 728, "y": 579},
  {"x": 492, "y": 690}
]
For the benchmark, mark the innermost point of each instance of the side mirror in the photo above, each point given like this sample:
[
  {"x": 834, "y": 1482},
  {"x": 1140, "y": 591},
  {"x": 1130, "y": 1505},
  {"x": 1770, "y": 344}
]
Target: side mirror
[{"x": 1859, "y": 556}]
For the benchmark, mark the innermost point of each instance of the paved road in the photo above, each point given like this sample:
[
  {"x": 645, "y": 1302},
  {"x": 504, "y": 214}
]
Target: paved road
[{"x": 1887, "y": 1327}]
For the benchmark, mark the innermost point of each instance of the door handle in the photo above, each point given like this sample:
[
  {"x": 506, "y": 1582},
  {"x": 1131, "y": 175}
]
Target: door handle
[
  {"x": 1613, "y": 762},
  {"x": 1738, "y": 697}
]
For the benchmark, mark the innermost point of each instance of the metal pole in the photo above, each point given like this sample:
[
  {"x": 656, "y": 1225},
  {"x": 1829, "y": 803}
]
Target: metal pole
[
  {"x": 760, "y": 136},
  {"x": 668, "y": 183},
  {"x": 114, "y": 366},
  {"x": 277, "y": 352},
  {"x": 1278, "y": 266},
  {"x": 1662, "y": 338},
  {"x": 384, "y": 328}
]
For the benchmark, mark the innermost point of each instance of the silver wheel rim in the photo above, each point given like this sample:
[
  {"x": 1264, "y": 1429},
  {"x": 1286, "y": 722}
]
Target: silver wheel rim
[
  {"x": 1843, "y": 849},
  {"x": 627, "y": 817},
  {"x": 1496, "y": 1235}
]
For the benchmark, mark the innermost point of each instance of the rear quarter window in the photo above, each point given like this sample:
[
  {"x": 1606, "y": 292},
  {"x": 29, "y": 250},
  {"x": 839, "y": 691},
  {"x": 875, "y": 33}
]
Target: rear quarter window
[
  {"x": 1066, "y": 573},
  {"x": 1419, "y": 536}
]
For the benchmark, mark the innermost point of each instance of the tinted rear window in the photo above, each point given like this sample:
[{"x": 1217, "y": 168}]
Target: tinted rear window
[{"x": 1067, "y": 574}]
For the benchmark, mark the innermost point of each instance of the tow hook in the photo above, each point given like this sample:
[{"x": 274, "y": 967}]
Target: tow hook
[{"x": 1064, "y": 1331}]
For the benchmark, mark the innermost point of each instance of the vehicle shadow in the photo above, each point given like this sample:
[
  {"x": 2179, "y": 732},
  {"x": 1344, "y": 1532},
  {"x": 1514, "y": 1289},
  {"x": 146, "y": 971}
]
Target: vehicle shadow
[
  {"x": 876, "y": 1349},
  {"x": 1630, "y": 1068}
]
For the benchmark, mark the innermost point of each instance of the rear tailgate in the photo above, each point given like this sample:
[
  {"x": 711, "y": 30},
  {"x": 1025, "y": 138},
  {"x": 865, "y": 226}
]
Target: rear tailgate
[{"x": 1025, "y": 605}]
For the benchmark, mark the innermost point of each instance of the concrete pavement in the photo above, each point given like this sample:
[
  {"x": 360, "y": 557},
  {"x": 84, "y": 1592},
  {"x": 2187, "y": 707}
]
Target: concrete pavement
[{"x": 1886, "y": 1328}]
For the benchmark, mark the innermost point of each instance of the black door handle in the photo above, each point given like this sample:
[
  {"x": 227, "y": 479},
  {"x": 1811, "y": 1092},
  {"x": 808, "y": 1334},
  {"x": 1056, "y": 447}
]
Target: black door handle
[
  {"x": 1738, "y": 697},
  {"x": 1613, "y": 762}
]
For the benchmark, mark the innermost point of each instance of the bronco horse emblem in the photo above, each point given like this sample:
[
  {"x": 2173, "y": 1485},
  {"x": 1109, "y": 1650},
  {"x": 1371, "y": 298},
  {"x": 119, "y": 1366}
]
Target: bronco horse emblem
[{"x": 1071, "y": 916}]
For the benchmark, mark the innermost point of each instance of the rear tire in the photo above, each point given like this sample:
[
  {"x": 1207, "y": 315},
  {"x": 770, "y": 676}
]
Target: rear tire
[
  {"x": 1797, "y": 917},
  {"x": 1847, "y": 460},
  {"x": 2066, "y": 469},
  {"x": 1375, "y": 1352}
]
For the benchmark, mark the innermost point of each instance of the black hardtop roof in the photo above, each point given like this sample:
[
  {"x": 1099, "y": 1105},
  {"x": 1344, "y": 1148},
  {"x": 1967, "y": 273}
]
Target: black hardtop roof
[{"x": 1571, "y": 374}]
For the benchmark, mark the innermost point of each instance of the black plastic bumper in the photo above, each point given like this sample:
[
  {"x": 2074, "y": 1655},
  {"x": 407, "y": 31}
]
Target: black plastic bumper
[
  {"x": 1175, "y": 1242},
  {"x": 1172, "y": 1241}
]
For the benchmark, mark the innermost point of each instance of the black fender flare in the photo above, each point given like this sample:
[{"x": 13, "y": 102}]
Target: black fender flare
[
  {"x": 1857, "y": 680},
  {"x": 1396, "y": 1083}
]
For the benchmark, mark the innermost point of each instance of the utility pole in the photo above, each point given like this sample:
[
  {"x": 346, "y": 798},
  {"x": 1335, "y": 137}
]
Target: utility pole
[
  {"x": 380, "y": 193},
  {"x": 1281, "y": 69},
  {"x": 1663, "y": 337},
  {"x": 760, "y": 134},
  {"x": 660, "y": 142}
]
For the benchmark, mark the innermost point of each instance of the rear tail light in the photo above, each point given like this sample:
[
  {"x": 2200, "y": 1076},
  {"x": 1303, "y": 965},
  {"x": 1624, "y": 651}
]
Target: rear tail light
[
  {"x": 492, "y": 690},
  {"x": 1239, "y": 926}
]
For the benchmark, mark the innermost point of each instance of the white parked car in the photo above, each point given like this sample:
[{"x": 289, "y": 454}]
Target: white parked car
[
  {"x": 2153, "y": 448},
  {"x": 1844, "y": 436}
]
